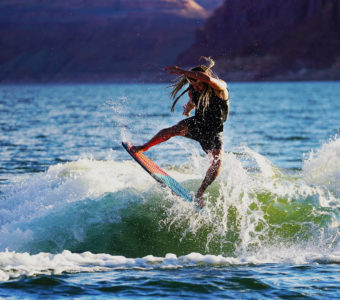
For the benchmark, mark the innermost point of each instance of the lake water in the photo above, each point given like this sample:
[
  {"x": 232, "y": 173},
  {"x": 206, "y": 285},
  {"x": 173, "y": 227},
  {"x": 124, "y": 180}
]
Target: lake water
[{"x": 80, "y": 219}]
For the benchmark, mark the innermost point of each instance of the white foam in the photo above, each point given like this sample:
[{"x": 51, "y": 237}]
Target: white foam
[
  {"x": 238, "y": 187},
  {"x": 60, "y": 185},
  {"x": 14, "y": 265},
  {"x": 71, "y": 182},
  {"x": 322, "y": 167}
]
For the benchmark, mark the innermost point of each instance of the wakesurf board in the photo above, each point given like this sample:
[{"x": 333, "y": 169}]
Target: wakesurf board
[{"x": 159, "y": 175}]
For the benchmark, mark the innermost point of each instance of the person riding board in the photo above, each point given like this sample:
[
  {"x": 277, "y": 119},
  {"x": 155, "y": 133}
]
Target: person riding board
[{"x": 209, "y": 95}]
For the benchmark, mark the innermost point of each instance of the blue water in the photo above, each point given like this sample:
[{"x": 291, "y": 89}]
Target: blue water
[{"x": 80, "y": 219}]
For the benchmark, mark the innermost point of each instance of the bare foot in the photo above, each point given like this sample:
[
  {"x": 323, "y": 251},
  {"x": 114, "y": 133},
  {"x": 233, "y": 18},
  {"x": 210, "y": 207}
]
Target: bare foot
[{"x": 136, "y": 149}]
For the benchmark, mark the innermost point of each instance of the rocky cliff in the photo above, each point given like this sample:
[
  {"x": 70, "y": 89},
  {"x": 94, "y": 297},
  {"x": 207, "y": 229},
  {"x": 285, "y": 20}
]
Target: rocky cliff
[
  {"x": 93, "y": 40},
  {"x": 266, "y": 39},
  {"x": 77, "y": 40}
]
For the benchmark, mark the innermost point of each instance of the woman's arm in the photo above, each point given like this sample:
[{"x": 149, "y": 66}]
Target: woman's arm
[{"x": 216, "y": 84}]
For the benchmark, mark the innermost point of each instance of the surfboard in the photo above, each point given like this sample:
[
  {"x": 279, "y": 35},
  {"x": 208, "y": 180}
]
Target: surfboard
[{"x": 158, "y": 174}]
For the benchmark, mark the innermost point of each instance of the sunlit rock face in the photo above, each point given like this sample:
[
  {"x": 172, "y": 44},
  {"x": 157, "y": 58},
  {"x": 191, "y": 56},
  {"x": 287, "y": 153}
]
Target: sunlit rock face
[
  {"x": 210, "y": 4},
  {"x": 185, "y": 8}
]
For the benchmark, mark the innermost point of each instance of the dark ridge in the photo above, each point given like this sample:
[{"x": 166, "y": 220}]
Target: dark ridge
[{"x": 271, "y": 40}]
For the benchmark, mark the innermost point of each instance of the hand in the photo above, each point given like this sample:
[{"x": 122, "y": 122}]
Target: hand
[
  {"x": 186, "y": 111},
  {"x": 173, "y": 70}
]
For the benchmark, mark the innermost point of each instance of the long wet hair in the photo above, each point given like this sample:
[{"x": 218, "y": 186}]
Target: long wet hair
[{"x": 182, "y": 80}]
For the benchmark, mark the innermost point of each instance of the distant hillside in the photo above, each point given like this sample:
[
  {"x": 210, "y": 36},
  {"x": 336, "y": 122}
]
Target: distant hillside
[
  {"x": 281, "y": 39},
  {"x": 94, "y": 40}
]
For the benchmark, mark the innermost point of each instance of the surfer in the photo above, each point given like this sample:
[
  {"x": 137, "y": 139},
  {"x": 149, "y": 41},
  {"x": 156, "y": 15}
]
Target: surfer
[{"x": 209, "y": 96}]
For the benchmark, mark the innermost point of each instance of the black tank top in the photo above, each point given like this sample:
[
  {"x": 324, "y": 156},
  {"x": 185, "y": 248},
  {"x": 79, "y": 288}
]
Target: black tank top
[{"x": 214, "y": 116}]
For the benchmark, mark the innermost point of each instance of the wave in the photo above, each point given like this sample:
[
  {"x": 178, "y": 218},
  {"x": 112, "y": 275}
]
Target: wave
[
  {"x": 14, "y": 265},
  {"x": 115, "y": 207},
  {"x": 322, "y": 167}
]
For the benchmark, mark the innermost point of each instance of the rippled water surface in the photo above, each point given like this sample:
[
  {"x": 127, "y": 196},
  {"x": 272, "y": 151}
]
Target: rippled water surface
[{"x": 79, "y": 218}]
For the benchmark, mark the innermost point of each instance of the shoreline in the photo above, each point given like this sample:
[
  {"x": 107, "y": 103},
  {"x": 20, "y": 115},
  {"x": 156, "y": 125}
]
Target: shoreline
[
  {"x": 332, "y": 74},
  {"x": 157, "y": 77}
]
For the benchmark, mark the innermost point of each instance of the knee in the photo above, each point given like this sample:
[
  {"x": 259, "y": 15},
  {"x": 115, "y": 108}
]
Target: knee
[
  {"x": 217, "y": 166},
  {"x": 216, "y": 163},
  {"x": 165, "y": 131},
  {"x": 174, "y": 130},
  {"x": 217, "y": 158}
]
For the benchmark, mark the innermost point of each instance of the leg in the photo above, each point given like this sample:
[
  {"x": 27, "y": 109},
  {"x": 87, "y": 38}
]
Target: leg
[
  {"x": 180, "y": 129},
  {"x": 211, "y": 174}
]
